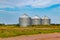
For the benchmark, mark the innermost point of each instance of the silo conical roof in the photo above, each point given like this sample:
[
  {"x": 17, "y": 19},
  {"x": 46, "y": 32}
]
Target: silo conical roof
[
  {"x": 45, "y": 17},
  {"x": 36, "y": 17},
  {"x": 24, "y": 16}
]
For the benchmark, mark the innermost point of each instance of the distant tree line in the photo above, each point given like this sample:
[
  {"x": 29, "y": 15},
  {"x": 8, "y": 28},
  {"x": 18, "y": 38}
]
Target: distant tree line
[
  {"x": 2, "y": 24},
  {"x": 9, "y": 24},
  {"x": 56, "y": 24},
  {"x": 18, "y": 24}
]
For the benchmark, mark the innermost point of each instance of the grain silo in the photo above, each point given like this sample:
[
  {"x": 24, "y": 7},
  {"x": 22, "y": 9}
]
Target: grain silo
[
  {"x": 46, "y": 20},
  {"x": 36, "y": 20},
  {"x": 24, "y": 20}
]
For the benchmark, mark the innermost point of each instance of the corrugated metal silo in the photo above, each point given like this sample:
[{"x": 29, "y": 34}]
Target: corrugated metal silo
[
  {"x": 46, "y": 20},
  {"x": 24, "y": 20},
  {"x": 36, "y": 20}
]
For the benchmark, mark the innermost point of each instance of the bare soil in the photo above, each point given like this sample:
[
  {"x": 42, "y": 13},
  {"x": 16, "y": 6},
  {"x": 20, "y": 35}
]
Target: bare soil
[{"x": 52, "y": 36}]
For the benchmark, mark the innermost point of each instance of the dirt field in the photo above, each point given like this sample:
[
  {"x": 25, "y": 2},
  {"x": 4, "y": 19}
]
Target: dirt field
[{"x": 53, "y": 36}]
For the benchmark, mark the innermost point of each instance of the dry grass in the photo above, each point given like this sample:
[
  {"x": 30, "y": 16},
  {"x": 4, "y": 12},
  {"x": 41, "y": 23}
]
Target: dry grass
[{"x": 10, "y": 31}]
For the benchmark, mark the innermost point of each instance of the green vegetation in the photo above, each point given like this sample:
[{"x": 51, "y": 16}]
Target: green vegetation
[{"x": 10, "y": 30}]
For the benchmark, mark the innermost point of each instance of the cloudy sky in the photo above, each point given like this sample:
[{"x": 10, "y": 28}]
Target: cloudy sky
[{"x": 11, "y": 10}]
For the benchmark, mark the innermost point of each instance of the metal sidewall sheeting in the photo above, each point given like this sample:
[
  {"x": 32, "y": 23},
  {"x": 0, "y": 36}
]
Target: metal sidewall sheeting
[
  {"x": 46, "y": 21},
  {"x": 24, "y": 21},
  {"x": 36, "y": 21}
]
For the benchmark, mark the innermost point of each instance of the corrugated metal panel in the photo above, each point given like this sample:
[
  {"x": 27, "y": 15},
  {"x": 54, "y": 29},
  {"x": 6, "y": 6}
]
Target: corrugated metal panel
[
  {"x": 25, "y": 20},
  {"x": 36, "y": 20},
  {"x": 46, "y": 20}
]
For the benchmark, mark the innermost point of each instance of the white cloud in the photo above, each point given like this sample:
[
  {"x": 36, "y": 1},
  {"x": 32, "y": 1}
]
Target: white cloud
[
  {"x": 33, "y": 3},
  {"x": 6, "y": 12},
  {"x": 6, "y": 6}
]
